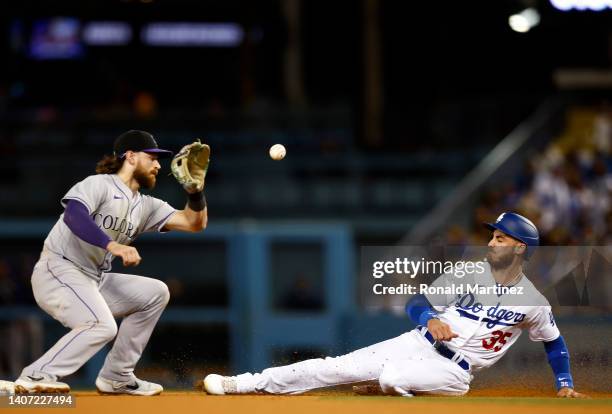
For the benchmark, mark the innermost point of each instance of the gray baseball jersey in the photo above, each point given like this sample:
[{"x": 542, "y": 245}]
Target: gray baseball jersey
[{"x": 119, "y": 212}]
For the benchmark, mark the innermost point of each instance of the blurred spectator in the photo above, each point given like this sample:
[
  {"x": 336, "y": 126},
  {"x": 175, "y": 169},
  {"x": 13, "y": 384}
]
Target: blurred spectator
[
  {"x": 567, "y": 193},
  {"x": 145, "y": 105}
]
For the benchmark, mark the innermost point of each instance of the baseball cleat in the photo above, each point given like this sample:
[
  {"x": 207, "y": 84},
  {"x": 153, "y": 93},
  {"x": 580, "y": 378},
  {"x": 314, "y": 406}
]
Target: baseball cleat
[
  {"x": 219, "y": 385},
  {"x": 134, "y": 387},
  {"x": 7, "y": 387},
  {"x": 39, "y": 383}
]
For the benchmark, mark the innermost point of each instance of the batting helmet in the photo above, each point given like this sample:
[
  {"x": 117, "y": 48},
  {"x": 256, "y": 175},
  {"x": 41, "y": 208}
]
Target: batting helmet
[{"x": 519, "y": 228}]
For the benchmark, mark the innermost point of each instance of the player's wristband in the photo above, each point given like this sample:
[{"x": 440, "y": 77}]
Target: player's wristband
[
  {"x": 564, "y": 381},
  {"x": 196, "y": 201},
  {"x": 426, "y": 316},
  {"x": 419, "y": 310}
]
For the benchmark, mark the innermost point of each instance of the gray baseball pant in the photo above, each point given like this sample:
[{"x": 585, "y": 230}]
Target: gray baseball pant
[{"x": 89, "y": 307}]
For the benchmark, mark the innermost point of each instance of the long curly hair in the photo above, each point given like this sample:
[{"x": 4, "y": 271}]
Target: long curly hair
[{"x": 109, "y": 164}]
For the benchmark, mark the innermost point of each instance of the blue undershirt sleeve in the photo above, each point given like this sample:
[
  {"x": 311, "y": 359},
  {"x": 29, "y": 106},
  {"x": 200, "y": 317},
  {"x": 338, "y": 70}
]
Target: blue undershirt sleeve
[
  {"x": 558, "y": 358},
  {"x": 419, "y": 310}
]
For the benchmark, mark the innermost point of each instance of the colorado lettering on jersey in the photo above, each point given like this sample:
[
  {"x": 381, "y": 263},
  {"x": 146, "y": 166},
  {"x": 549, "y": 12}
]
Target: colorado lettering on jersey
[
  {"x": 467, "y": 306},
  {"x": 109, "y": 222}
]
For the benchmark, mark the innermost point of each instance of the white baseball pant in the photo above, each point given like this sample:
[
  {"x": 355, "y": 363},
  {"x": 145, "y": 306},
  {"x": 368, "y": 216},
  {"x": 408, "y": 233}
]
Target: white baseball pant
[{"x": 404, "y": 365}]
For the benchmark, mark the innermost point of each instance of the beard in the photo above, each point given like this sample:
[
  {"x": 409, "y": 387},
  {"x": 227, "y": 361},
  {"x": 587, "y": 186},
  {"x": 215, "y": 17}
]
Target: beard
[
  {"x": 500, "y": 257},
  {"x": 145, "y": 179}
]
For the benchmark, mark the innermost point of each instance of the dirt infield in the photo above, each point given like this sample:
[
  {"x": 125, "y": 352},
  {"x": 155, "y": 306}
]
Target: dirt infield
[{"x": 521, "y": 401}]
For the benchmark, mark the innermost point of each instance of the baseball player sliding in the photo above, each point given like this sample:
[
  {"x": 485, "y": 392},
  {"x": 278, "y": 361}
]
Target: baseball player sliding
[
  {"x": 73, "y": 282},
  {"x": 456, "y": 336}
]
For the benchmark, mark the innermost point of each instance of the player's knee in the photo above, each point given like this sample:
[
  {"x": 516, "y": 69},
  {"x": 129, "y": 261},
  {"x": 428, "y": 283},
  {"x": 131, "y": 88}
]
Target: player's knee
[
  {"x": 390, "y": 379},
  {"x": 162, "y": 292},
  {"x": 462, "y": 392},
  {"x": 459, "y": 389},
  {"x": 107, "y": 329}
]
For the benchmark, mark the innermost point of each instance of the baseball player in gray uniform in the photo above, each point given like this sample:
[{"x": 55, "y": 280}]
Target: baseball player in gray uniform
[{"x": 73, "y": 281}]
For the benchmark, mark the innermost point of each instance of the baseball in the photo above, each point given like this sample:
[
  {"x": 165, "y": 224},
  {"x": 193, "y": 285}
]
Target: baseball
[{"x": 277, "y": 152}]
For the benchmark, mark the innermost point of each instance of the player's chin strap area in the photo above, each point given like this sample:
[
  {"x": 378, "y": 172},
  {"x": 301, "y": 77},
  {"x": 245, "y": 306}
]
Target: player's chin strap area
[{"x": 443, "y": 349}]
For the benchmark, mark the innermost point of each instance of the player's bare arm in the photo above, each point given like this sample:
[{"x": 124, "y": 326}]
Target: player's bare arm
[{"x": 188, "y": 220}]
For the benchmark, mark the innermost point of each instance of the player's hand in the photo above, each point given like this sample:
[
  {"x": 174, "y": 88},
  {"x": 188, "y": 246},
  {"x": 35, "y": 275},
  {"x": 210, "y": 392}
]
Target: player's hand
[
  {"x": 128, "y": 254},
  {"x": 440, "y": 331},
  {"x": 570, "y": 393}
]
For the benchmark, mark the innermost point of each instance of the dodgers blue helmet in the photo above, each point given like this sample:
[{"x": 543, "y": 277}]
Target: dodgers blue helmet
[{"x": 519, "y": 228}]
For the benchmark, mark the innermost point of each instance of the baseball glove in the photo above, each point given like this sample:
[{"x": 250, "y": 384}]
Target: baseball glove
[{"x": 189, "y": 166}]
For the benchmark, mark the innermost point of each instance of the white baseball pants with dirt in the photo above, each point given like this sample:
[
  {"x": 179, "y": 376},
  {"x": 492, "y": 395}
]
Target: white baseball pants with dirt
[
  {"x": 89, "y": 307},
  {"x": 403, "y": 365}
]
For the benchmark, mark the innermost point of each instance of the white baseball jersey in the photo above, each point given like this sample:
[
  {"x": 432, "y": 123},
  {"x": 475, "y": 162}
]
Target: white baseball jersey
[
  {"x": 489, "y": 323},
  {"x": 119, "y": 212}
]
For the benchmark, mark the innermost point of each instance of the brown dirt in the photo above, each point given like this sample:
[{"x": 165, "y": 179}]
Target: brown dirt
[{"x": 496, "y": 400}]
